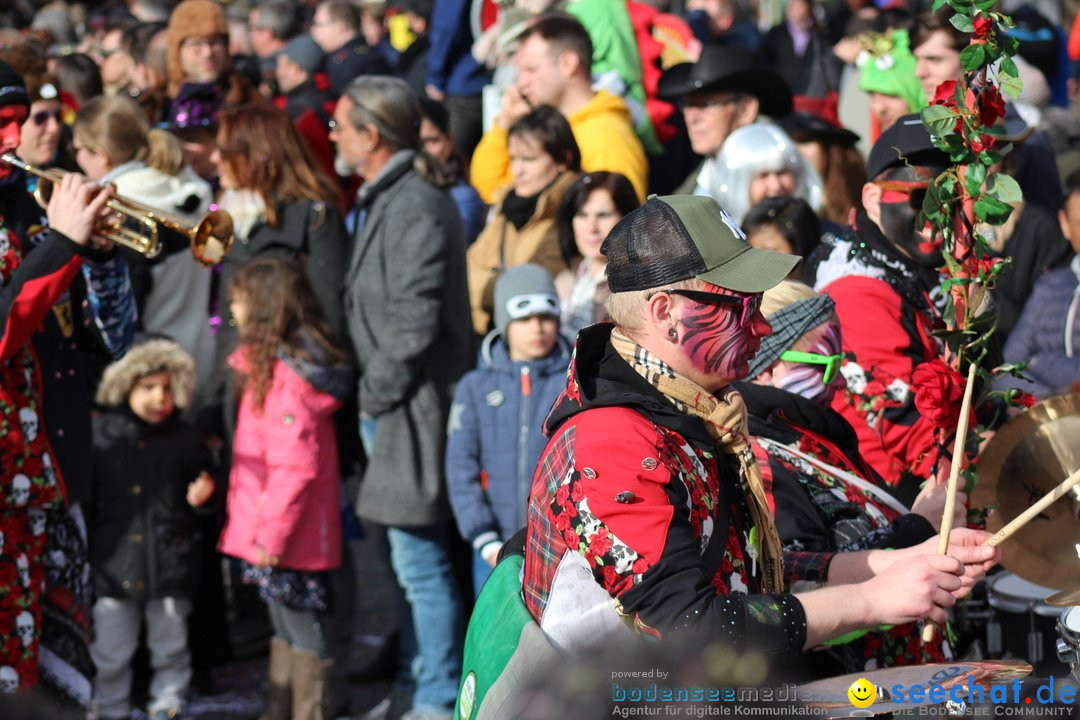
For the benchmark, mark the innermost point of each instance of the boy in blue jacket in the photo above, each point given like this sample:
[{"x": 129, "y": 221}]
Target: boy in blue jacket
[{"x": 497, "y": 418}]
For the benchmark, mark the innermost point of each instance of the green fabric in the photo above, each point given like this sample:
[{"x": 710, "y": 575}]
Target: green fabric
[
  {"x": 890, "y": 70},
  {"x": 615, "y": 48},
  {"x": 498, "y": 624}
]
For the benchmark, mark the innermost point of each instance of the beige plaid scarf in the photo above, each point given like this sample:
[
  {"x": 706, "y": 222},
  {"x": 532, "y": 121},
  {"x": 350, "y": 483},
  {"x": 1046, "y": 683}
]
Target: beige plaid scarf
[{"x": 726, "y": 420}]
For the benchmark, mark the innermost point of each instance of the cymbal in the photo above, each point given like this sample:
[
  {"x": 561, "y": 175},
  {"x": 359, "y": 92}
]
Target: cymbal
[
  {"x": 1065, "y": 598},
  {"x": 1027, "y": 458},
  {"x": 831, "y": 694}
]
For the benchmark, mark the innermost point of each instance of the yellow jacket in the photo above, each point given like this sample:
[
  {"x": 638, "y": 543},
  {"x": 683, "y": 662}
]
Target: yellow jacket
[
  {"x": 604, "y": 133},
  {"x": 501, "y": 245}
]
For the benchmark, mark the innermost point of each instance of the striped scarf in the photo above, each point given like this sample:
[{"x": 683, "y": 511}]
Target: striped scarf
[{"x": 726, "y": 420}]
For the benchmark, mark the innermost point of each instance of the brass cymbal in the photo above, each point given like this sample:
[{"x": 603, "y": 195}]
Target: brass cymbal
[
  {"x": 831, "y": 694},
  {"x": 1027, "y": 458},
  {"x": 1065, "y": 598}
]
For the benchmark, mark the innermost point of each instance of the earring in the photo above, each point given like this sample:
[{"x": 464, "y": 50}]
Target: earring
[{"x": 672, "y": 333}]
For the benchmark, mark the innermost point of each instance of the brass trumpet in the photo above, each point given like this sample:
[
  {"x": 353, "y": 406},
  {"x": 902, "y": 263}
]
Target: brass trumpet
[{"x": 210, "y": 238}]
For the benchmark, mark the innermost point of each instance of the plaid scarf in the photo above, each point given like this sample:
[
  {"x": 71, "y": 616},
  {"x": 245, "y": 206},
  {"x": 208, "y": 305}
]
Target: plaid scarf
[{"x": 726, "y": 420}]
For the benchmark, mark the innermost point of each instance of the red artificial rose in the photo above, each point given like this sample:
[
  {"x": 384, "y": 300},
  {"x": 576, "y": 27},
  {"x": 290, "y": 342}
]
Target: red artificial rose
[
  {"x": 571, "y": 539},
  {"x": 562, "y": 522},
  {"x": 577, "y": 493},
  {"x": 1024, "y": 399},
  {"x": 982, "y": 141},
  {"x": 945, "y": 94},
  {"x": 991, "y": 106},
  {"x": 982, "y": 26},
  {"x": 939, "y": 392}
]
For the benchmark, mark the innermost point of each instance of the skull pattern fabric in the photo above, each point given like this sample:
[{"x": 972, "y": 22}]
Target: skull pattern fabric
[
  {"x": 22, "y": 579},
  {"x": 28, "y": 483}
]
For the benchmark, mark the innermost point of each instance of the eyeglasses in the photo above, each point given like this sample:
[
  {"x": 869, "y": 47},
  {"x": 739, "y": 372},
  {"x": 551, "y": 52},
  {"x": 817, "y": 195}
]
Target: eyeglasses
[
  {"x": 900, "y": 191},
  {"x": 42, "y": 116},
  {"x": 214, "y": 42},
  {"x": 750, "y": 303},
  {"x": 831, "y": 362}
]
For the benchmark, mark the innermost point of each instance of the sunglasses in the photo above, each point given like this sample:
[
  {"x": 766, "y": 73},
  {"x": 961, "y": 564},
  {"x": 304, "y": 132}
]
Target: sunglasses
[
  {"x": 831, "y": 362},
  {"x": 42, "y": 116},
  {"x": 750, "y": 303},
  {"x": 895, "y": 192}
]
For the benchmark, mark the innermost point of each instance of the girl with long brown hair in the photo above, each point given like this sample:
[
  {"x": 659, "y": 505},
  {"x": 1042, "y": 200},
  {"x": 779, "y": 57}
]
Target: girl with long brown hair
[{"x": 283, "y": 514}]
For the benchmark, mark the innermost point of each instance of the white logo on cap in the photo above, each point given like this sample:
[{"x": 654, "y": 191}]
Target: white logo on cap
[{"x": 730, "y": 222}]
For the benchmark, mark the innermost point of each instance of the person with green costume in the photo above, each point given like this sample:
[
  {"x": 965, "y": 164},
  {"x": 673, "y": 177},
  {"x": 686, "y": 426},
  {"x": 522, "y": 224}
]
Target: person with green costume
[{"x": 888, "y": 75}]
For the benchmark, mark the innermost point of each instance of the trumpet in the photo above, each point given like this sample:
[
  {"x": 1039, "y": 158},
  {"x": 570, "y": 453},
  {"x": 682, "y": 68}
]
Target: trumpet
[{"x": 210, "y": 238}]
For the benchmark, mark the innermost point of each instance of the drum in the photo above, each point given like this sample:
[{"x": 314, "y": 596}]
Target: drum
[
  {"x": 1022, "y": 625},
  {"x": 1068, "y": 644}
]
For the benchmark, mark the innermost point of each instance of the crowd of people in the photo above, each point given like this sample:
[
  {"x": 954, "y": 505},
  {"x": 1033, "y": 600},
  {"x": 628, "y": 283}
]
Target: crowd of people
[{"x": 626, "y": 296}]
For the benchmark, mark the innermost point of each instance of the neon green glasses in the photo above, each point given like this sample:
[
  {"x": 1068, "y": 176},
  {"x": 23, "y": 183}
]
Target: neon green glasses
[{"x": 831, "y": 362}]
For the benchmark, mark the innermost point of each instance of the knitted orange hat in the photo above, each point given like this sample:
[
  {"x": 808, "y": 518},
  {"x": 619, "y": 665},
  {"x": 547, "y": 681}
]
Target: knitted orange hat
[{"x": 191, "y": 18}]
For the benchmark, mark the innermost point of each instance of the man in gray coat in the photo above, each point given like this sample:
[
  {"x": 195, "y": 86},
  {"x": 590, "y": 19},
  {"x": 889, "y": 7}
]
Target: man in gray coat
[{"x": 407, "y": 312}]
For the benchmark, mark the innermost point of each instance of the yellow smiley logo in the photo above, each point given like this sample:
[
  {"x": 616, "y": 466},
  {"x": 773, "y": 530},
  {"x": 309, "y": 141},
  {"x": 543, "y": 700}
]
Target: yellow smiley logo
[{"x": 861, "y": 693}]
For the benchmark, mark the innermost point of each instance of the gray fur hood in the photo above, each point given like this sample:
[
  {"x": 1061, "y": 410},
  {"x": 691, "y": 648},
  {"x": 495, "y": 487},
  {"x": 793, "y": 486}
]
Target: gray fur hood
[{"x": 145, "y": 359}]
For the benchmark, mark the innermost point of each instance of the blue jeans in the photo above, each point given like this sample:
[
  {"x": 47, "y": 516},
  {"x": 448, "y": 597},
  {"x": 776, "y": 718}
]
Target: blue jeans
[
  {"x": 433, "y": 625},
  {"x": 480, "y": 572}
]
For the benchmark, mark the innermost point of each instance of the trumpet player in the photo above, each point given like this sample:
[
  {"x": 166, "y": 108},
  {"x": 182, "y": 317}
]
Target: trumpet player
[
  {"x": 115, "y": 145},
  {"x": 44, "y": 405}
]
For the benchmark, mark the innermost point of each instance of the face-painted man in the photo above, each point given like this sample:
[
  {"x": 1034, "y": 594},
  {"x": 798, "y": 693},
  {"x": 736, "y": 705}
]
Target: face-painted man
[{"x": 648, "y": 493}]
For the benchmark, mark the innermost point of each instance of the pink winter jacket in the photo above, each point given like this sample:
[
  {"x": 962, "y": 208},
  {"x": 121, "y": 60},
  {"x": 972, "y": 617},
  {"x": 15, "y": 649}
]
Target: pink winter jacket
[{"x": 284, "y": 488}]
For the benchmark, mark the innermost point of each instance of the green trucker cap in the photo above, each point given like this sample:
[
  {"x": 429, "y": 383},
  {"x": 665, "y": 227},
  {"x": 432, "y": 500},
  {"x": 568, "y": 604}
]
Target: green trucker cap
[{"x": 678, "y": 237}]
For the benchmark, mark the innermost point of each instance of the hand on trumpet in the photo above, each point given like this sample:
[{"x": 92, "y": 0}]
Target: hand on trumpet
[{"x": 77, "y": 207}]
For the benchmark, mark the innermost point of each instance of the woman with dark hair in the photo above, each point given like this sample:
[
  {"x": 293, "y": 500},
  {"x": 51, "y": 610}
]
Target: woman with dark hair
[
  {"x": 590, "y": 208},
  {"x": 544, "y": 161},
  {"x": 830, "y": 149},
  {"x": 282, "y": 204},
  {"x": 783, "y": 224},
  {"x": 435, "y": 138}
]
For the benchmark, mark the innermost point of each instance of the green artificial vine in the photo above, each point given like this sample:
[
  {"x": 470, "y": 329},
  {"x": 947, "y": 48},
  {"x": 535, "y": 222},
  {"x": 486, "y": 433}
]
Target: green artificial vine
[{"x": 965, "y": 120}]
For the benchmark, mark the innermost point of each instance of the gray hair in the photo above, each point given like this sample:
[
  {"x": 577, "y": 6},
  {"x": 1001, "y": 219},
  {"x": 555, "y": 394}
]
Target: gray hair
[
  {"x": 388, "y": 103},
  {"x": 393, "y": 107},
  {"x": 280, "y": 17}
]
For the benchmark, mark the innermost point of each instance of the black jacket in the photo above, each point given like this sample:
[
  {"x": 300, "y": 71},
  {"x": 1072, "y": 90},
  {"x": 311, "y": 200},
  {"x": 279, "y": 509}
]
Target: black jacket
[{"x": 144, "y": 537}]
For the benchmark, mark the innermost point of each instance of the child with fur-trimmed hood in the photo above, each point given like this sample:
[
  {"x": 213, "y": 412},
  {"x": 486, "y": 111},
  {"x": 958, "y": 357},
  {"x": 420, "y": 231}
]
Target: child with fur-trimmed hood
[{"x": 148, "y": 477}]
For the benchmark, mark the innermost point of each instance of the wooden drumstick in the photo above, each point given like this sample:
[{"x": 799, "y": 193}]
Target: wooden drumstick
[
  {"x": 954, "y": 480},
  {"x": 1025, "y": 517}
]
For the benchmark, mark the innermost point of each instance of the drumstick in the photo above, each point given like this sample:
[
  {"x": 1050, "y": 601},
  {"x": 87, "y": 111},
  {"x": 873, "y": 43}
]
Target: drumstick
[
  {"x": 954, "y": 480},
  {"x": 1023, "y": 518}
]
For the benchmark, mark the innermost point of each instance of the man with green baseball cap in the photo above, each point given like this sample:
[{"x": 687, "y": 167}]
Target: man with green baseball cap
[{"x": 648, "y": 514}]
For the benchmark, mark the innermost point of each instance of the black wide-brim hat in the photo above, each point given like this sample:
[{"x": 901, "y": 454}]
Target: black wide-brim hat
[
  {"x": 811, "y": 127},
  {"x": 722, "y": 68}
]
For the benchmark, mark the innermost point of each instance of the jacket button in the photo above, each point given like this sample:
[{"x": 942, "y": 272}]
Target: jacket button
[
  {"x": 126, "y": 584},
  {"x": 136, "y": 537},
  {"x": 136, "y": 490},
  {"x": 589, "y": 473}
]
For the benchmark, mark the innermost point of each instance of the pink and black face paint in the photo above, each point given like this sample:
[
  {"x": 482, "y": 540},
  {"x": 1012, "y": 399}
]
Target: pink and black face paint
[{"x": 719, "y": 337}]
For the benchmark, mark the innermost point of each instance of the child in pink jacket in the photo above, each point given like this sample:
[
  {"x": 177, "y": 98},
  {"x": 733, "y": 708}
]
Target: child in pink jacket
[{"x": 283, "y": 509}]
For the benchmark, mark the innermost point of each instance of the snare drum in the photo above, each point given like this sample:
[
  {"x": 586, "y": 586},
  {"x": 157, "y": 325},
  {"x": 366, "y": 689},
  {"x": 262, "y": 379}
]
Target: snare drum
[
  {"x": 1022, "y": 624},
  {"x": 1068, "y": 644}
]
